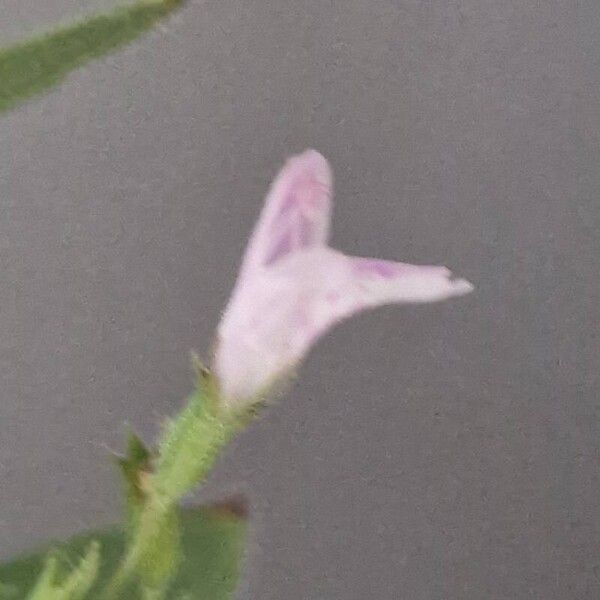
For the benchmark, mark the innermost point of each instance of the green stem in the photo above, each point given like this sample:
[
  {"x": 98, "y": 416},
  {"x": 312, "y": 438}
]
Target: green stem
[
  {"x": 153, "y": 553},
  {"x": 187, "y": 452}
]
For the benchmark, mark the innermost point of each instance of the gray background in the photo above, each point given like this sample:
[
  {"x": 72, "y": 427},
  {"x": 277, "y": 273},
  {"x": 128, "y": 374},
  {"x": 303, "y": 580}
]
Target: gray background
[{"x": 441, "y": 452}]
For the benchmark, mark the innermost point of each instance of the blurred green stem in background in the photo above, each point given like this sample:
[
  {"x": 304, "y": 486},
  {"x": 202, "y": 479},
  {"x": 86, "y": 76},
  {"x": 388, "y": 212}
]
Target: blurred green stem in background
[{"x": 33, "y": 66}]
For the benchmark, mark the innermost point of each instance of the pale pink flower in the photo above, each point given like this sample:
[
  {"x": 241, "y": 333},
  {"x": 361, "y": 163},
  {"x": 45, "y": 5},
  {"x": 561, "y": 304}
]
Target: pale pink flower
[{"x": 292, "y": 287}]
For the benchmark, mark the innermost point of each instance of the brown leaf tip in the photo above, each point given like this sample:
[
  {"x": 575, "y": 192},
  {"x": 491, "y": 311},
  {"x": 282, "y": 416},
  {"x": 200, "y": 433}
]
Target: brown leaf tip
[{"x": 234, "y": 506}]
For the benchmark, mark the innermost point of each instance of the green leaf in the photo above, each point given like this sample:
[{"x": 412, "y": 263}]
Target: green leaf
[
  {"x": 33, "y": 66},
  {"x": 81, "y": 579},
  {"x": 53, "y": 585},
  {"x": 212, "y": 545},
  {"x": 135, "y": 469},
  {"x": 8, "y": 592}
]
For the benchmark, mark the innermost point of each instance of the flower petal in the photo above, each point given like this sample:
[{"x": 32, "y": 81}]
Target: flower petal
[
  {"x": 296, "y": 213},
  {"x": 380, "y": 282},
  {"x": 279, "y": 313},
  {"x": 334, "y": 286}
]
